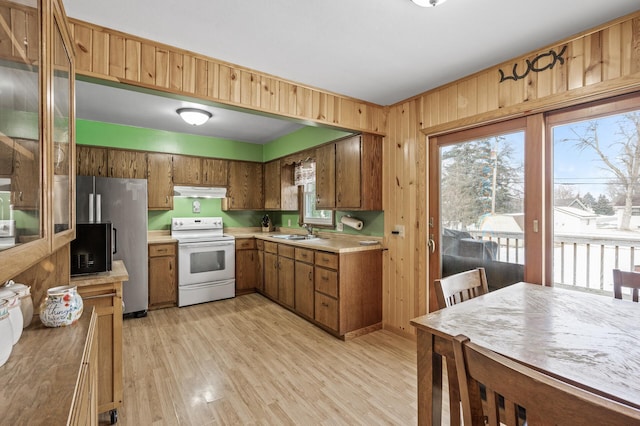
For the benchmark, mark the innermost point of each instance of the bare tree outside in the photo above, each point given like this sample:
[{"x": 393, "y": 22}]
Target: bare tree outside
[{"x": 619, "y": 155}]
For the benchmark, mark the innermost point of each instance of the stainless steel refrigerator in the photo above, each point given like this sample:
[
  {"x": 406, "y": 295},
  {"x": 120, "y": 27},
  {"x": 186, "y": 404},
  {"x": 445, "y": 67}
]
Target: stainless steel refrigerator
[{"x": 123, "y": 202}]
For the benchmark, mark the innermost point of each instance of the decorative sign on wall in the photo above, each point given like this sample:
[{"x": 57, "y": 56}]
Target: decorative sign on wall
[{"x": 542, "y": 62}]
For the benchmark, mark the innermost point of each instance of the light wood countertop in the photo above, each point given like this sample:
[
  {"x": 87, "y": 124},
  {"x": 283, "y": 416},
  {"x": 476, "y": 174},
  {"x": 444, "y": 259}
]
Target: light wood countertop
[
  {"x": 118, "y": 273},
  {"x": 335, "y": 244},
  {"x": 160, "y": 237},
  {"x": 39, "y": 379},
  {"x": 327, "y": 241}
]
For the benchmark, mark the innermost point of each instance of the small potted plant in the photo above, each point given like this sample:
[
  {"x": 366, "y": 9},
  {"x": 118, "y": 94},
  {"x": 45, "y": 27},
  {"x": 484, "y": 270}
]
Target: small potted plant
[{"x": 266, "y": 223}]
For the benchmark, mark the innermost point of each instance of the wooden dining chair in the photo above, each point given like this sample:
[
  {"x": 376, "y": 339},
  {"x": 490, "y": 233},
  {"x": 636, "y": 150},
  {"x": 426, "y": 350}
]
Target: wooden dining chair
[
  {"x": 449, "y": 291},
  {"x": 626, "y": 279},
  {"x": 544, "y": 399},
  {"x": 460, "y": 287}
]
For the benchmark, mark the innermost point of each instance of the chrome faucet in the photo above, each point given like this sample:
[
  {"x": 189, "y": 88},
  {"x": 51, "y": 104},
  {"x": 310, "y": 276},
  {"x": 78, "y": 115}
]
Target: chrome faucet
[{"x": 309, "y": 228}]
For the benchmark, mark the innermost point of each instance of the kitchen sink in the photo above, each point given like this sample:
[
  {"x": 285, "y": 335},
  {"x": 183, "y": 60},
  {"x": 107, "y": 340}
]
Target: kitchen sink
[{"x": 295, "y": 237}]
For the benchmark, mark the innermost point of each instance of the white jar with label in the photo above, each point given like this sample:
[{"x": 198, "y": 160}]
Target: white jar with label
[
  {"x": 6, "y": 332},
  {"x": 15, "y": 313}
]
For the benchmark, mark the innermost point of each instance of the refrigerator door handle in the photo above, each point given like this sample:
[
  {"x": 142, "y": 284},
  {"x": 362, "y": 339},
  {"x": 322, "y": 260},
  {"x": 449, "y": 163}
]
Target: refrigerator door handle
[{"x": 115, "y": 240}]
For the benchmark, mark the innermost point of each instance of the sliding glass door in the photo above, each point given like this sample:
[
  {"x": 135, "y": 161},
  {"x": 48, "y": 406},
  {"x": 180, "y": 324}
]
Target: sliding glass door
[
  {"x": 551, "y": 198},
  {"x": 596, "y": 193},
  {"x": 477, "y": 215}
]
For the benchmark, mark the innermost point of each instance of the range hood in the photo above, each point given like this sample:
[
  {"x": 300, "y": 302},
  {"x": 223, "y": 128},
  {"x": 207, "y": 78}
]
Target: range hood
[{"x": 199, "y": 192}]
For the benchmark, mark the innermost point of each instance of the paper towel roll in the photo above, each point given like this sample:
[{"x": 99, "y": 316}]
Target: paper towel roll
[{"x": 352, "y": 222}]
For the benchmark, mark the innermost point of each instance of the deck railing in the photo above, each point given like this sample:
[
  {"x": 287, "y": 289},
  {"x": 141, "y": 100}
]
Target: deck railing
[{"x": 581, "y": 261}]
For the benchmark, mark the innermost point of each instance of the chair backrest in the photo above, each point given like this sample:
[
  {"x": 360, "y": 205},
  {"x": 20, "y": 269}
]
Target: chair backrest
[
  {"x": 625, "y": 279},
  {"x": 460, "y": 287},
  {"x": 544, "y": 399}
]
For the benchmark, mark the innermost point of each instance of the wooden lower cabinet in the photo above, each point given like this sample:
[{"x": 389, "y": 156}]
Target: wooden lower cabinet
[
  {"x": 270, "y": 272},
  {"x": 326, "y": 311},
  {"x": 84, "y": 411},
  {"x": 260, "y": 277},
  {"x": 304, "y": 289},
  {"x": 246, "y": 266},
  {"x": 104, "y": 293},
  {"x": 286, "y": 275},
  {"x": 340, "y": 292},
  {"x": 163, "y": 275},
  {"x": 304, "y": 279}
]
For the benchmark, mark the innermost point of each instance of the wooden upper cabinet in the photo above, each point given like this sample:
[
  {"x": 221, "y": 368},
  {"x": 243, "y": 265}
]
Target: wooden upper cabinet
[
  {"x": 127, "y": 164},
  {"x": 245, "y": 186},
  {"x": 348, "y": 194},
  {"x": 187, "y": 170},
  {"x": 326, "y": 176},
  {"x": 272, "y": 185},
  {"x": 359, "y": 173},
  {"x": 349, "y": 174},
  {"x": 159, "y": 181},
  {"x": 91, "y": 161},
  {"x": 25, "y": 185},
  {"x": 371, "y": 172},
  {"x": 215, "y": 172},
  {"x": 6, "y": 157},
  {"x": 280, "y": 192}
]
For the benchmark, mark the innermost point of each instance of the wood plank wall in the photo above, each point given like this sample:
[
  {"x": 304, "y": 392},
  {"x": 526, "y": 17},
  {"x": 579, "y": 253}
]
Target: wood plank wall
[
  {"x": 599, "y": 64},
  {"x": 107, "y": 54}
]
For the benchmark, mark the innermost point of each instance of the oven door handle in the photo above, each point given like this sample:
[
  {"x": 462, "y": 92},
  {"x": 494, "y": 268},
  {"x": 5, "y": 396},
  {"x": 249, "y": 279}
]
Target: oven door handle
[{"x": 207, "y": 244}]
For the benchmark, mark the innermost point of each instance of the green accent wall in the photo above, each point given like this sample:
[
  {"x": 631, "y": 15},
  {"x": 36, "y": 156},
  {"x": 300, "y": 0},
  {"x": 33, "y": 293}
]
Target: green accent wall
[
  {"x": 300, "y": 140},
  {"x": 138, "y": 138}
]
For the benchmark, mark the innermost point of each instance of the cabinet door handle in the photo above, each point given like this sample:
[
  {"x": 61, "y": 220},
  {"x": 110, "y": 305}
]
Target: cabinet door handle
[
  {"x": 310, "y": 276},
  {"x": 99, "y": 296}
]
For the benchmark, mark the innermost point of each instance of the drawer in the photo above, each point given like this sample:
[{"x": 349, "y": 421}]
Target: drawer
[
  {"x": 327, "y": 260},
  {"x": 286, "y": 250},
  {"x": 260, "y": 244},
  {"x": 326, "y": 281},
  {"x": 270, "y": 247},
  {"x": 304, "y": 255},
  {"x": 245, "y": 243},
  {"x": 326, "y": 311},
  {"x": 156, "y": 250}
]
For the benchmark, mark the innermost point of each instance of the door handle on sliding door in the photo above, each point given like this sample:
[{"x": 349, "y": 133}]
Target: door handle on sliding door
[{"x": 431, "y": 244}]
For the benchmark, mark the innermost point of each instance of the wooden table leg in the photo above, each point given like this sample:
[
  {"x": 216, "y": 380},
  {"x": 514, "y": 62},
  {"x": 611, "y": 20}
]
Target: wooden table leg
[{"x": 429, "y": 381}]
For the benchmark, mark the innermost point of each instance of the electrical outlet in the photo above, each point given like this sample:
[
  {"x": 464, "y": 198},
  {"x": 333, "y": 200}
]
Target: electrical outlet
[
  {"x": 289, "y": 222},
  {"x": 196, "y": 206},
  {"x": 340, "y": 227}
]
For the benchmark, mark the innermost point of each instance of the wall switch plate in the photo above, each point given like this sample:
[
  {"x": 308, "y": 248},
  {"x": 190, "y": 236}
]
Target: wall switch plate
[
  {"x": 340, "y": 227},
  {"x": 398, "y": 231},
  {"x": 289, "y": 222},
  {"x": 196, "y": 206}
]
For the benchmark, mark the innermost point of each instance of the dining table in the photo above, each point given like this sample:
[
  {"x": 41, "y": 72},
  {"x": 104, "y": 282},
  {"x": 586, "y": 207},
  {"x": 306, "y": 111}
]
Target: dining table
[{"x": 589, "y": 340}]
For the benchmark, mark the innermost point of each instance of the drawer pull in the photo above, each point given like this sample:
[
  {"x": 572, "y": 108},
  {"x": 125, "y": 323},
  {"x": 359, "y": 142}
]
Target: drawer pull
[
  {"x": 325, "y": 304},
  {"x": 99, "y": 296},
  {"x": 325, "y": 278}
]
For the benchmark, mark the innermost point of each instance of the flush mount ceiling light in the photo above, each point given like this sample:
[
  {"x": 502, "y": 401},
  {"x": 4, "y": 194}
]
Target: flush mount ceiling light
[
  {"x": 428, "y": 3},
  {"x": 194, "y": 116}
]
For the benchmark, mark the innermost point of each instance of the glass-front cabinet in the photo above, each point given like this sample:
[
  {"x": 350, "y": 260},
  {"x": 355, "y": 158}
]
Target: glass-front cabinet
[
  {"x": 63, "y": 150},
  {"x": 36, "y": 133}
]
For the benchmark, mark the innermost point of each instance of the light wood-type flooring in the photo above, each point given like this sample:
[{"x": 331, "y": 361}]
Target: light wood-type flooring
[{"x": 248, "y": 361}]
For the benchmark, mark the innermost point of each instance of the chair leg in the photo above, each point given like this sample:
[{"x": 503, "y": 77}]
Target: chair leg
[{"x": 454, "y": 393}]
